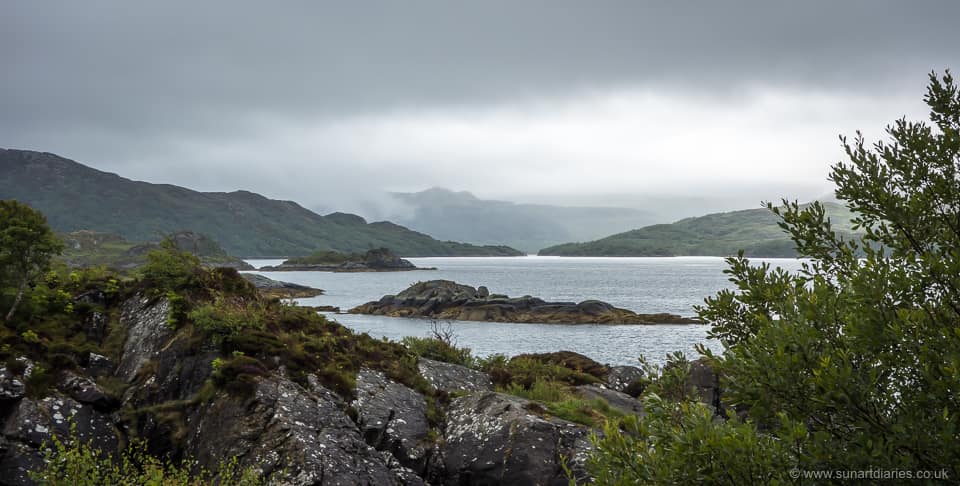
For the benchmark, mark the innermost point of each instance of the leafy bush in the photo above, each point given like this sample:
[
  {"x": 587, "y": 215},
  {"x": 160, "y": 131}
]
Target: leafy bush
[
  {"x": 683, "y": 443},
  {"x": 76, "y": 463},
  {"x": 170, "y": 269},
  {"x": 435, "y": 349},
  {"x": 224, "y": 317}
]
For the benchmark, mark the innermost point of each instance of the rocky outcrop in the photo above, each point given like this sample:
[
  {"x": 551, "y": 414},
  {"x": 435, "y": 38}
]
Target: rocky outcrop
[
  {"x": 291, "y": 434},
  {"x": 284, "y": 290},
  {"x": 443, "y": 299},
  {"x": 377, "y": 260},
  {"x": 393, "y": 418},
  {"x": 493, "y": 438},
  {"x": 451, "y": 378},
  {"x": 28, "y": 424}
]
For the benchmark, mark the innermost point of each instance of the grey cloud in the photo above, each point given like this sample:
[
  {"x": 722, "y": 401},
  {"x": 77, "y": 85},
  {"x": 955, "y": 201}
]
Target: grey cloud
[{"x": 133, "y": 87}]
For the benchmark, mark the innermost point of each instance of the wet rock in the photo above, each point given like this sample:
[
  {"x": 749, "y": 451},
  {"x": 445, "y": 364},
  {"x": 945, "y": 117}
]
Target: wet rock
[
  {"x": 294, "y": 436},
  {"x": 618, "y": 400},
  {"x": 493, "y": 438},
  {"x": 453, "y": 378},
  {"x": 147, "y": 331},
  {"x": 393, "y": 418},
  {"x": 621, "y": 377}
]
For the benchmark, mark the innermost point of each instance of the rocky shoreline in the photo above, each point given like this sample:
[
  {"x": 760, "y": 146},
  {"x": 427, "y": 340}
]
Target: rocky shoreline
[
  {"x": 284, "y": 290},
  {"x": 444, "y": 299},
  {"x": 302, "y": 434}
]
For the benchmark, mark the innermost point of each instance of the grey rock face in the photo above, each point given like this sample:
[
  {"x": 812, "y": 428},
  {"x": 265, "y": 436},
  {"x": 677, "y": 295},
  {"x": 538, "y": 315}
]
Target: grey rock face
[
  {"x": 12, "y": 388},
  {"x": 147, "y": 331},
  {"x": 453, "y": 378},
  {"x": 99, "y": 365},
  {"x": 84, "y": 390},
  {"x": 620, "y": 377},
  {"x": 618, "y": 400},
  {"x": 393, "y": 418},
  {"x": 31, "y": 423},
  {"x": 492, "y": 438},
  {"x": 705, "y": 382},
  {"x": 294, "y": 435}
]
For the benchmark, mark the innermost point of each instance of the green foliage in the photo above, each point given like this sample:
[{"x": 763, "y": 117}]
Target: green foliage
[
  {"x": 169, "y": 269},
  {"x": 439, "y": 350},
  {"x": 226, "y": 317},
  {"x": 755, "y": 231},
  {"x": 526, "y": 370},
  {"x": 76, "y": 463},
  {"x": 27, "y": 247},
  {"x": 683, "y": 443}
]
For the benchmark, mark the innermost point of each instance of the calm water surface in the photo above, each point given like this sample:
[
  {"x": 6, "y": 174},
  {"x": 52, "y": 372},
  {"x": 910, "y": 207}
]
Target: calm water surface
[{"x": 645, "y": 285}]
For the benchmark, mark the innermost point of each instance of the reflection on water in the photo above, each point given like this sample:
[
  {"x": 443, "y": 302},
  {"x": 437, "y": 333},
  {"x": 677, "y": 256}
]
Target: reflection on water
[{"x": 645, "y": 285}]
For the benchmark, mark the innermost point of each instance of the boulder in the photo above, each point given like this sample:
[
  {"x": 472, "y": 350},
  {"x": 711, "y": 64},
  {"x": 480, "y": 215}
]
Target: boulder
[
  {"x": 618, "y": 400},
  {"x": 704, "y": 382},
  {"x": 276, "y": 288},
  {"x": 31, "y": 423},
  {"x": 393, "y": 418},
  {"x": 293, "y": 435},
  {"x": 453, "y": 378},
  {"x": 85, "y": 390},
  {"x": 621, "y": 377},
  {"x": 493, "y": 438}
]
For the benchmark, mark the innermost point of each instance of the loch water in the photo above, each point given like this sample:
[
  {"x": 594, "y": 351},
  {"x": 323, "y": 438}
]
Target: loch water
[{"x": 645, "y": 285}]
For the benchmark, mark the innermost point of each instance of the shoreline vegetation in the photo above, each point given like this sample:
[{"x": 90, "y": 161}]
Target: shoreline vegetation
[{"x": 447, "y": 300}]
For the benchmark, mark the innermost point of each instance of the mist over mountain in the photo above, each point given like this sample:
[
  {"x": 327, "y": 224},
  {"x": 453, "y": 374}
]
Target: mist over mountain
[
  {"x": 461, "y": 216},
  {"x": 76, "y": 197}
]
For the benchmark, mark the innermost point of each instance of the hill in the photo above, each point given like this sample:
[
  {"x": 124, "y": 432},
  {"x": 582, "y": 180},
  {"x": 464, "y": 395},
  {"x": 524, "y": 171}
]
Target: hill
[
  {"x": 462, "y": 216},
  {"x": 76, "y": 197},
  {"x": 722, "y": 234},
  {"x": 87, "y": 248}
]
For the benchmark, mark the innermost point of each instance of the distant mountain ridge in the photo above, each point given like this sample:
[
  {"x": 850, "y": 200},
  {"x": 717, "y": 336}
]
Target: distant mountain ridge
[
  {"x": 459, "y": 215},
  {"x": 76, "y": 197},
  {"x": 720, "y": 234}
]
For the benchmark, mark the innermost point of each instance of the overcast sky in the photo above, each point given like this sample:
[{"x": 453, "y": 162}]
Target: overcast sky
[{"x": 599, "y": 102}]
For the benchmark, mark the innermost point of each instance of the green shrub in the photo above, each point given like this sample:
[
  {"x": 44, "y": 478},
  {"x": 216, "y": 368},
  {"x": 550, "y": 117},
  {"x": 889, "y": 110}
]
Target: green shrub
[
  {"x": 683, "y": 443},
  {"x": 223, "y": 318},
  {"x": 439, "y": 350},
  {"x": 76, "y": 463}
]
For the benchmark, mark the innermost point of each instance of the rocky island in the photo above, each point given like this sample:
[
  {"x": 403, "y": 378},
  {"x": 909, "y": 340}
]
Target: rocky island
[
  {"x": 444, "y": 299},
  {"x": 377, "y": 260}
]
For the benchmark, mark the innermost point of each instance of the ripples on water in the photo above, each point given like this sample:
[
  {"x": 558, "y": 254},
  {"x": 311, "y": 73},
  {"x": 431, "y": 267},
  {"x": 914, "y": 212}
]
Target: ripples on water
[{"x": 645, "y": 285}]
